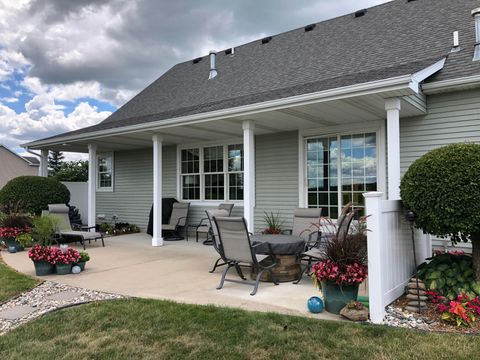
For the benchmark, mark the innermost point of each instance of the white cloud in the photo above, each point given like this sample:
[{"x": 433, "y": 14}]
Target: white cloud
[{"x": 9, "y": 99}]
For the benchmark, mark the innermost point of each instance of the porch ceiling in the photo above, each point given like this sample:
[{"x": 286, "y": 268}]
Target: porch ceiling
[{"x": 315, "y": 115}]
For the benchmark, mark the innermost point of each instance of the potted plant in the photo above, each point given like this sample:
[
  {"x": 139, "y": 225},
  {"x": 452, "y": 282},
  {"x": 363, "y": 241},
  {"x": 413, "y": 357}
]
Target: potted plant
[
  {"x": 8, "y": 235},
  {"x": 65, "y": 260},
  {"x": 25, "y": 239},
  {"x": 273, "y": 224},
  {"x": 43, "y": 259},
  {"x": 44, "y": 229},
  {"x": 343, "y": 266},
  {"x": 84, "y": 257}
]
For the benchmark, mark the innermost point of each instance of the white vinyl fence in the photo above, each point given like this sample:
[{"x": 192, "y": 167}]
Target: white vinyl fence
[
  {"x": 390, "y": 252},
  {"x": 78, "y": 197}
]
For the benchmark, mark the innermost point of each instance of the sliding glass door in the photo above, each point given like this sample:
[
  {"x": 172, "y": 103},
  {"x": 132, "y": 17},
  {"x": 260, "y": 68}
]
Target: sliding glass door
[{"x": 339, "y": 169}]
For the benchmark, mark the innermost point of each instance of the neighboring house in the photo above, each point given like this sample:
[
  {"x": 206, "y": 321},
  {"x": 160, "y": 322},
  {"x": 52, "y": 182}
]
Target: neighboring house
[
  {"x": 311, "y": 117},
  {"x": 13, "y": 165}
]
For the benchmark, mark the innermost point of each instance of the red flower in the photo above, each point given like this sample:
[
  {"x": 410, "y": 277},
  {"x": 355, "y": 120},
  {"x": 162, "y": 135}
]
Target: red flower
[{"x": 342, "y": 275}]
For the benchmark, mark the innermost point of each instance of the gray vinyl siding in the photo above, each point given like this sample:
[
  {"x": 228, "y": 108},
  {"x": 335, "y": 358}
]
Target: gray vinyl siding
[
  {"x": 451, "y": 118},
  {"x": 276, "y": 176},
  {"x": 131, "y": 199}
]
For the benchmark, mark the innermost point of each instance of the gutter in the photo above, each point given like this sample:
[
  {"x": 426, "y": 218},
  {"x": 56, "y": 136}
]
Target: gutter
[
  {"x": 409, "y": 83},
  {"x": 33, "y": 153},
  {"x": 468, "y": 82}
]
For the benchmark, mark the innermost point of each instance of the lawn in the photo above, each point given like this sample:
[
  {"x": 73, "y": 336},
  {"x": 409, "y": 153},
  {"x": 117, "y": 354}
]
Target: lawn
[
  {"x": 154, "y": 329},
  {"x": 13, "y": 283}
]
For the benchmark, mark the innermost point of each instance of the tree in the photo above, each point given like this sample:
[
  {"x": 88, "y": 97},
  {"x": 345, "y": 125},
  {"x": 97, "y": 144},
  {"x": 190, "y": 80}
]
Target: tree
[
  {"x": 55, "y": 160},
  {"x": 72, "y": 171},
  {"x": 443, "y": 189}
]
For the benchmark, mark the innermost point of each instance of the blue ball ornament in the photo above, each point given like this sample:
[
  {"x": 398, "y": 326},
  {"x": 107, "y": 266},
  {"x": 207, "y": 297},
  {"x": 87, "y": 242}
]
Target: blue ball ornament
[{"x": 315, "y": 305}]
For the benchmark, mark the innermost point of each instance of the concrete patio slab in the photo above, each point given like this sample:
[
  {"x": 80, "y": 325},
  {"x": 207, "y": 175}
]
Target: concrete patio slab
[{"x": 178, "y": 271}]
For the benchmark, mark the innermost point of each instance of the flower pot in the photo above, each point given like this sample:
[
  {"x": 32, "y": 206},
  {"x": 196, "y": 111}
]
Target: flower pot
[
  {"x": 63, "y": 269},
  {"x": 12, "y": 243},
  {"x": 81, "y": 264},
  {"x": 337, "y": 296},
  {"x": 43, "y": 268}
]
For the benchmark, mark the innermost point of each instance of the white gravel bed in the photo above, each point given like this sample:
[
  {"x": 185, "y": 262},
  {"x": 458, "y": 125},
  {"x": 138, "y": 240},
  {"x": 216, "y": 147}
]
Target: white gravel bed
[
  {"x": 37, "y": 299},
  {"x": 398, "y": 317}
]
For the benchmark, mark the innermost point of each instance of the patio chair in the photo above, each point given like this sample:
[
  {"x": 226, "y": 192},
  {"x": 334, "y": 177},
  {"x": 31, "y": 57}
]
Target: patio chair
[
  {"x": 65, "y": 231},
  {"x": 315, "y": 253},
  {"x": 178, "y": 220},
  {"x": 216, "y": 241},
  {"x": 205, "y": 227},
  {"x": 303, "y": 225},
  {"x": 238, "y": 251}
]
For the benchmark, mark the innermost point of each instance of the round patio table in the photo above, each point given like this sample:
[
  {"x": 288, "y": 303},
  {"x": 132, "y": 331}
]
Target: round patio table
[{"x": 286, "y": 249}]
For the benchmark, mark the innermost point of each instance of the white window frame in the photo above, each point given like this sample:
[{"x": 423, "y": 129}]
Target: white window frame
[
  {"x": 105, "y": 155},
  {"x": 201, "y": 146},
  {"x": 377, "y": 127}
]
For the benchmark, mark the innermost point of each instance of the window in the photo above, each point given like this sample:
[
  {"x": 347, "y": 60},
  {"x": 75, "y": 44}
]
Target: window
[
  {"x": 339, "y": 170},
  {"x": 212, "y": 173},
  {"x": 105, "y": 172},
  {"x": 476, "y": 54}
]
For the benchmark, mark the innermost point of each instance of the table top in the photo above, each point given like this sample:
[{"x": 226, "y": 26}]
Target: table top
[{"x": 281, "y": 244}]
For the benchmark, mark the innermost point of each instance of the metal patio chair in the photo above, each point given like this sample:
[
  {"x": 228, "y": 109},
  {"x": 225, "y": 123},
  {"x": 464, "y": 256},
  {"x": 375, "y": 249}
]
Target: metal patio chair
[
  {"x": 178, "y": 220},
  {"x": 205, "y": 227},
  {"x": 65, "y": 231},
  {"x": 238, "y": 251}
]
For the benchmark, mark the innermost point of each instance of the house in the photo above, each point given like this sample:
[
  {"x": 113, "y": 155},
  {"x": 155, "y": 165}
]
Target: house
[
  {"x": 315, "y": 117},
  {"x": 13, "y": 165}
]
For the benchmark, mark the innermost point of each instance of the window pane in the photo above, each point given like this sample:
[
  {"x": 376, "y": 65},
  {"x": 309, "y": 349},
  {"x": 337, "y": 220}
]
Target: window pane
[
  {"x": 235, "y": 157},
  {"x": 105, "y": 180},
  {"x": 214, "y": 187},
  {"x": 190, "y": 161},
  {"x": 235, "y": 186},
  {"x": 213, "y": 159},
  {"x": 191, "y": 187}
]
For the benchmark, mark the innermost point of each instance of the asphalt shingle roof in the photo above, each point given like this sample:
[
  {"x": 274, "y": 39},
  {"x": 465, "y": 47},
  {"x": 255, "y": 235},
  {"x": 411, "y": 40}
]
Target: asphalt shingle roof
[{"x": 393, "y": 39}]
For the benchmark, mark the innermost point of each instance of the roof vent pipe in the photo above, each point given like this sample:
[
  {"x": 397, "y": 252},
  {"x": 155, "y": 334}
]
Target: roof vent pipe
[{"x": 213, "y": 65}]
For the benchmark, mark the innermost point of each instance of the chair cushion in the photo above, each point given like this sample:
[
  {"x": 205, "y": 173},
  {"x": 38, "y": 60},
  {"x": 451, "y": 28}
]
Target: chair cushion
[
  {"x": 314, "y": 253},
  {"x": 168, "y": 227},
  {"x": 261, "y": 257},
  {"x": 203, "y": 229},
  {"x": 86, "y": 235}
]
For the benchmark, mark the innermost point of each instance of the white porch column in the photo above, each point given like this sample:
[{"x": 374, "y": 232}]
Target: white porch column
[
  {"x": 43, "y": 168},
  {"x": 92, "y": 183},
  {"x": 375, "y": 256},
  {"x": 393, "y": 147},
  {"x": 249, "y": 173},
  {"x": 157, "y": 239}
]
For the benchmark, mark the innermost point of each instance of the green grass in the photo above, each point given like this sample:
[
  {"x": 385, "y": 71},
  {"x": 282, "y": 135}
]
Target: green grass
[
  {"x": 13, "y": 283},
  {"x": 153, "y": 329}
]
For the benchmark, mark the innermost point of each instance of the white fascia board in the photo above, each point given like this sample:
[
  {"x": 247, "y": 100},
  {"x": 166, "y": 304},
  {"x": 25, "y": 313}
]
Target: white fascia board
[
  {"x": 452, "y": 84},
  {"x": 409, "y": 82}
]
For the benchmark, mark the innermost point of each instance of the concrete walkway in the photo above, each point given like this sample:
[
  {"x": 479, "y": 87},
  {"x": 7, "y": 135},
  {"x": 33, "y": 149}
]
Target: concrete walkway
[{"x": 178, "y": 271}]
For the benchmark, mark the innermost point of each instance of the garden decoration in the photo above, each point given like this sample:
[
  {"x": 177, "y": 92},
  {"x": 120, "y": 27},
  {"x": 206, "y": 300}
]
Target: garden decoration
[
  {"x": 442, "y": 189},
  {"x": 315, "y": 305},
  {"x": 412, "y": 305},
  {"x": 76, "y": 269},
  {"x": 416, "y": 295},
  {"x": 355, "y": 311}
]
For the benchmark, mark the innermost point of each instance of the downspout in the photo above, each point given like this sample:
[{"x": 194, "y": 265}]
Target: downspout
[{"x": 39, "y": 159}]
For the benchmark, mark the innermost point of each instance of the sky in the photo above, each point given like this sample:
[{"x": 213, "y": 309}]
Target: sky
[{"x": 67, "y": 64}]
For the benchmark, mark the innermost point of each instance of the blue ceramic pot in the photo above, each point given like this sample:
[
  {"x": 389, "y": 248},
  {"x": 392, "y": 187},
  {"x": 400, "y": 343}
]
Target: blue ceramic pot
[
  {"x": 337, "y": 296},
  {"x": 12, "y": 249},
  {"x": 315, "y": 305}
]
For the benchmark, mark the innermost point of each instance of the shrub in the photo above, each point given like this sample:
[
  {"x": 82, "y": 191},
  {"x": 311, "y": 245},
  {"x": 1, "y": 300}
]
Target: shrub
[
  {"x": 34, "y": 192},
  {"x": 443, "y": 189}
]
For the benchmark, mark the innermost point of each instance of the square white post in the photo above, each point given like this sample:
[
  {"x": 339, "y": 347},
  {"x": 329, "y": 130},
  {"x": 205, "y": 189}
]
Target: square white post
[
  {"x": 375, "y": 250},
  {"x": 92, "y": 184},
  {"x": 157, "y": 239},
  {"x": 249, "y": 173},
  {"x": 393, "y": 147},
  {"x": 43, "y": 168}
]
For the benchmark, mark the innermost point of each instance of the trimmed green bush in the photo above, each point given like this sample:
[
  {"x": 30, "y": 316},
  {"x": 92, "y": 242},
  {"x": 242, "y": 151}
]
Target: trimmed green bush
[
  {"x": 34, "y": 193},
  {"x": 443, "y": 189}
]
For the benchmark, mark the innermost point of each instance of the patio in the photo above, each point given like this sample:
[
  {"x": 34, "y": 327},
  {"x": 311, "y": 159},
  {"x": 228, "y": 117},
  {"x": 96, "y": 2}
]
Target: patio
[{"x": 178, "y": 271}]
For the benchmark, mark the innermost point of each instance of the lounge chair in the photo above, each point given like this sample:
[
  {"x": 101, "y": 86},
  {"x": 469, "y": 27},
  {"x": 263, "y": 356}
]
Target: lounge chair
[
  {"x": 65, "y": 231},
  {"x": 238, "y": 250},
  {"x": 178, "y": 220},
  {"x": 205, "y": 227}
]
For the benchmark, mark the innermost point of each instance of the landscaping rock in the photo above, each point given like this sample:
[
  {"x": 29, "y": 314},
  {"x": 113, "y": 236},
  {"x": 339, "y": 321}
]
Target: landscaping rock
[
  {"x": 415, "y": 297},
  {"x": 415, "y": 303},
  {"x": 412, "y": 309},
  {"x": 416, "y": 291},
  {"x": 413, "y": 285},
  {"x": 355, "y": 315}
]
